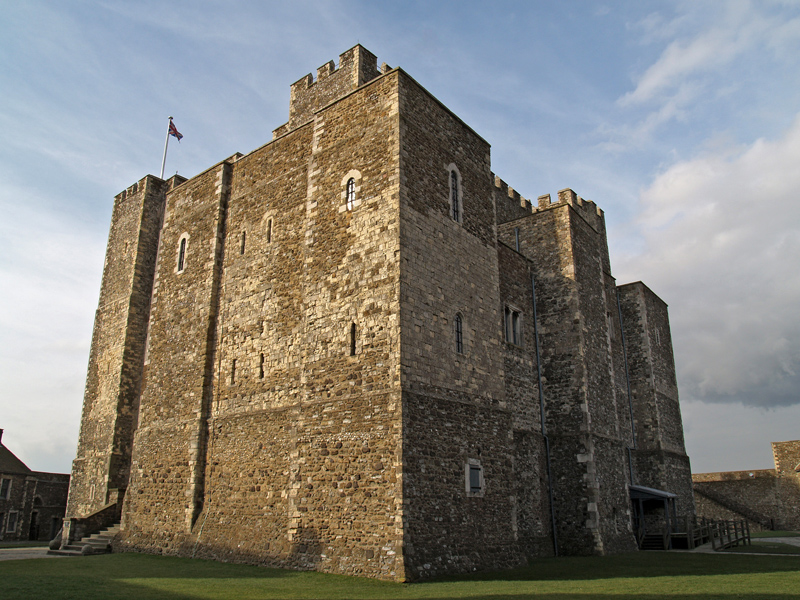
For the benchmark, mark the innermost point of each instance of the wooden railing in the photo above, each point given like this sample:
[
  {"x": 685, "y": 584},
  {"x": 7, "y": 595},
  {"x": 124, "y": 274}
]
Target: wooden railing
[
  {"x": 726, "y": 534},
  {"x": 686, "y": 532}
]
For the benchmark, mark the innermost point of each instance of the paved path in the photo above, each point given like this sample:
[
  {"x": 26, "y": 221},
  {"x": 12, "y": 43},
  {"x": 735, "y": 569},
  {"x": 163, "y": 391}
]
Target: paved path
[
  {"x": 23, "y": 553},
  {"x": 794, "y": 541},
  {"x": 706, "y": 548}
]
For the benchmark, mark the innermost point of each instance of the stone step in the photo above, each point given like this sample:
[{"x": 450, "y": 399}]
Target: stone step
[{"x": 97, "y": 543}]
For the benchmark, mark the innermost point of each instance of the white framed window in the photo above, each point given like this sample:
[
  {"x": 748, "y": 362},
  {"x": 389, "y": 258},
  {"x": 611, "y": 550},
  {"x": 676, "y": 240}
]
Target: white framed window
[
  {"x": 456, "y": 194},
  {"x": 474, "y": 480},
  {"x": 351, "y": 189},
  {"x": 183, "y": 249},
  {"x": 11, "y": 526},
  {"x": 513, "y": 326}
]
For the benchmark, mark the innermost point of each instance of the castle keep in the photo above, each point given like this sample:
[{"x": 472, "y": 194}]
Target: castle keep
[{"x": 356, "y": 350}]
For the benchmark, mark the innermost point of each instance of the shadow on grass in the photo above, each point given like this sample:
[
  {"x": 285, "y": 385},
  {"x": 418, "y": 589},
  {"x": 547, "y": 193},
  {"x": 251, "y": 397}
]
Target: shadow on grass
[
  {"x": 636, "y": 565},
  {"x": 654, "y": 576}
]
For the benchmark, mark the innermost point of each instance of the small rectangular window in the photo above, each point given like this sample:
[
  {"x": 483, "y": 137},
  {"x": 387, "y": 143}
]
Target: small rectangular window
[
  {"x": 473, "y": 472},
  {"x": 5, "y": 489},
  {"x": 182, "y": 255},
  {"x": 353, "y": 339},
  {"x": 455, "y": 197},
  {"x": 474, "y": 478},
  {"x": 261, "y": 368},
  {"x": 244, "y": 238},
  {"x": 269, "y": 231},
  {"x": 233, "y": 371},
  {"x": 516, "y": 238}
]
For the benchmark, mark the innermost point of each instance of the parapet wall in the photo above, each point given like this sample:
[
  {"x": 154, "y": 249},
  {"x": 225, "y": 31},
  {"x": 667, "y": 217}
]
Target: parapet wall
[
  {"x": 356, "y": 67},
  {"x": 591, "y": 213},
  {"x": 509, "y": 204}
]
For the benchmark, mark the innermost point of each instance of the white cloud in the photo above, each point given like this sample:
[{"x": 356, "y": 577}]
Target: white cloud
[
  {"x": 681, "y": 59},
  {"x": 722, "y": 233},
  {"x": 726, "y": 50}
]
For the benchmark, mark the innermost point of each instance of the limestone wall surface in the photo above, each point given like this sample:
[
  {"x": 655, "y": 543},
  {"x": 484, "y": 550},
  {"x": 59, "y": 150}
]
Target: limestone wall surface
[
  {"x": 277, "y": 413},
  {"x": 341, "y": 371},
  {"x": 113, "y": 380}
]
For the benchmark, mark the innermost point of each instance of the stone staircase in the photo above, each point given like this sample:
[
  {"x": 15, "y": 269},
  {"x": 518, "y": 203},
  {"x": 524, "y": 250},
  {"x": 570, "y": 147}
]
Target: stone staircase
[
  {"x": 732, "y": 505},
  {"x": 653, "y": 541},
  {"x": 97, "y": 543}
]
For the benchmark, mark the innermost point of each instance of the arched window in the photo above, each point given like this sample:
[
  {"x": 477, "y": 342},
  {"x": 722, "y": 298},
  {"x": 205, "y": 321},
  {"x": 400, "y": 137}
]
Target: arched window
[
  {"x": 351, "y": 193},
  {"x": 455, "y": 200},
  {"x": 351, "y": 188},
  {"x": 182, "y": 255},
  {"x": 459, "y": 331},
  {"x": 456, "y": 196}
]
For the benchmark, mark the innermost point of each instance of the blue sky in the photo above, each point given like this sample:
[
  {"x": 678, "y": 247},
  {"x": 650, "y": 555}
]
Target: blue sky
[{"x": 680, "y": 119}]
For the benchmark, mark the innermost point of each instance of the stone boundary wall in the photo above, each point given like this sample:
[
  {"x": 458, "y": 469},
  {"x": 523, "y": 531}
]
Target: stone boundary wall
[{"x": 767, "y": 497}]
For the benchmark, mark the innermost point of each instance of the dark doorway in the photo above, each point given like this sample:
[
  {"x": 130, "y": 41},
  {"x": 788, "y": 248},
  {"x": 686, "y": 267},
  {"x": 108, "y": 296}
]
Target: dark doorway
[
  {"x": 33, "y": 531},
  {"x": 55, "y": 527}
]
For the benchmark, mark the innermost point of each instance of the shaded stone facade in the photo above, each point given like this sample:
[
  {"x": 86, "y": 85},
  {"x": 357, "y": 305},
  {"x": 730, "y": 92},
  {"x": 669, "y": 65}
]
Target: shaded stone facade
[
  {"x": 323, "y": 354},
  {"x": 32, "y": 503},
  {"x": 767, "y": 498}
]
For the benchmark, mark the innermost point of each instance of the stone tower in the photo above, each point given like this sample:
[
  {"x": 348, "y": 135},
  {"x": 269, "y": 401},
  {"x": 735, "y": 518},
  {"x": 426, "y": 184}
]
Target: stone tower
[{"x": 365, "y": 354}]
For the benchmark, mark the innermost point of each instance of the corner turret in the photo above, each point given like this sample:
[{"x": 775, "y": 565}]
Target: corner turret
[{"x": 357, "y": 66}]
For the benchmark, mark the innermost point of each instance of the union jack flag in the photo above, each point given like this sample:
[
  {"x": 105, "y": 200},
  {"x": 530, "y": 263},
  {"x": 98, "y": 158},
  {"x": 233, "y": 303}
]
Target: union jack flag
[{"x": 174, "y": 131}]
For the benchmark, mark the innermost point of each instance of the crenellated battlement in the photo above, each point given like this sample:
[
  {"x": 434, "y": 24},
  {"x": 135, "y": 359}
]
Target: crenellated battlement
[
  {"x": 356, "y": 67},
  {"x": 512, "y": 194},
  {"x": 509, "y": 203},
  {"x": 589, "y": 210},
  {"x": 132, "y": 190}
]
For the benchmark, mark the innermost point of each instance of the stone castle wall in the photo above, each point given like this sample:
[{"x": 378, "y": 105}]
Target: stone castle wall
[
  {"x": 787, "y": 467},
  {"x": 271, "y": 404},
  {"x": 114, "y": 376},
  {"x": 304, "y": 400},
  {"x": 660, "y": 454},
  {"x": 582, "y": 369},
  {"x": 454, "y": 403}
]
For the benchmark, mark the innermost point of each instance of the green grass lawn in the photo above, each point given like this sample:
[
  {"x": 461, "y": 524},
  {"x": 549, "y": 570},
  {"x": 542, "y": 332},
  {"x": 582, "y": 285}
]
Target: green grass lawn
[{"x": 645, "y": 575}]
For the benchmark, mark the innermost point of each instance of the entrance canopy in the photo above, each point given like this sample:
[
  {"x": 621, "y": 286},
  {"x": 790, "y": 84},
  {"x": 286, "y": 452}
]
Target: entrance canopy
[{"x": 639, "y": 492}]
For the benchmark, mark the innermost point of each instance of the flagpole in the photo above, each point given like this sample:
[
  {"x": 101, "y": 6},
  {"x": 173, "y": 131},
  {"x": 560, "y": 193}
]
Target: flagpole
[{"x": 166, "y": 143}]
